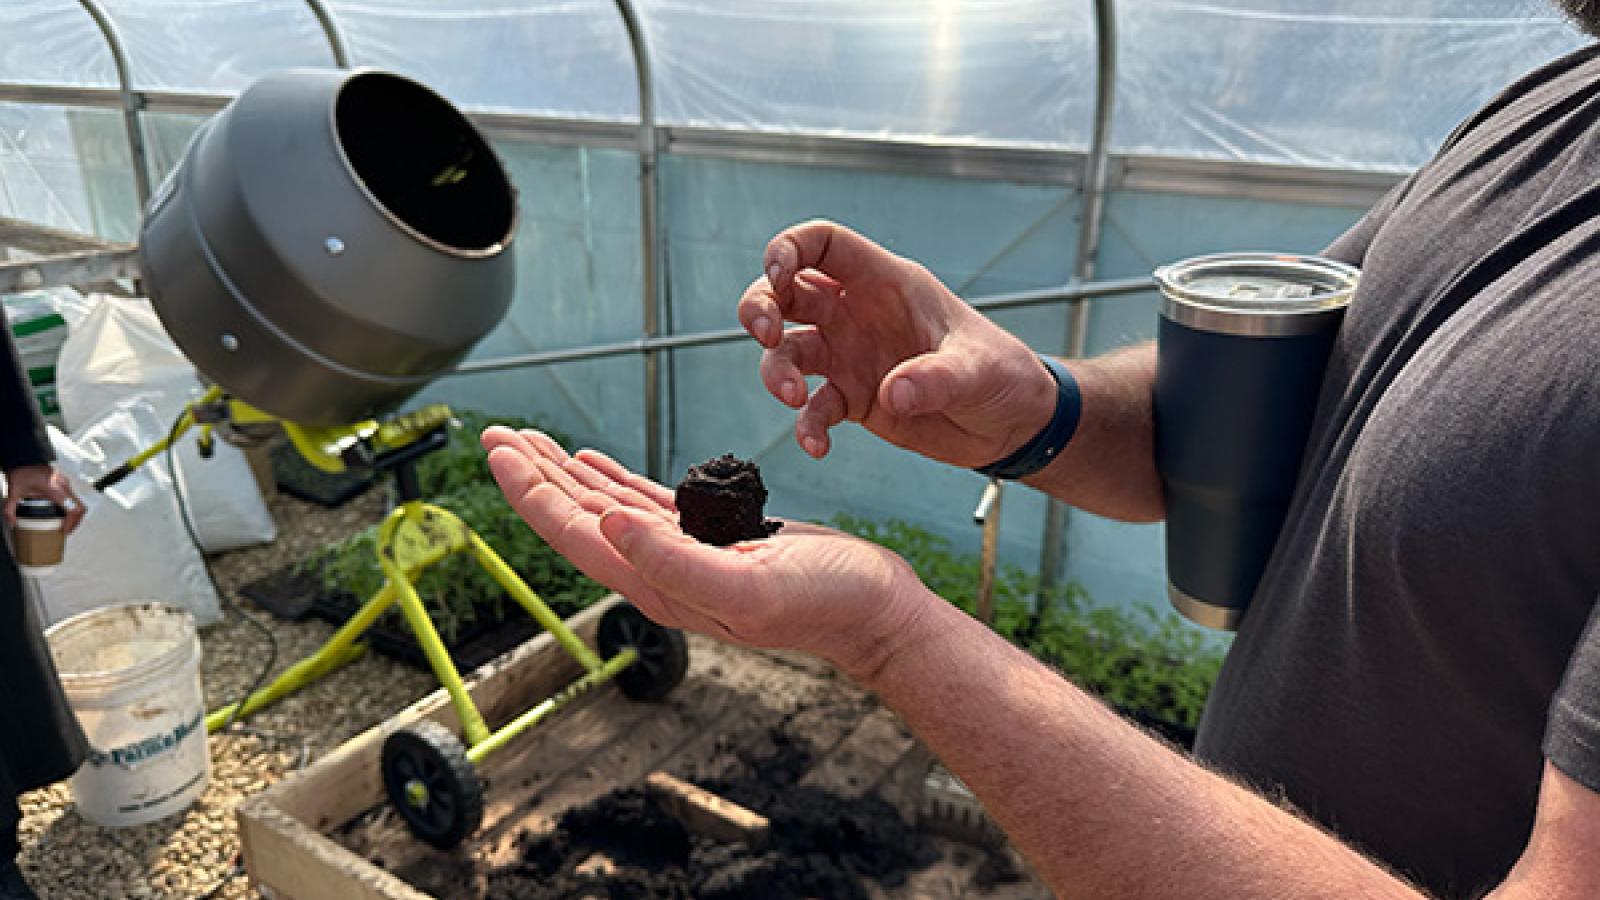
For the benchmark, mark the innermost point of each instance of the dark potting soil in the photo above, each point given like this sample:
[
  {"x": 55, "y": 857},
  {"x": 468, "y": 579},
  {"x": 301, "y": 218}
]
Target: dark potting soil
[
  {"x": 623, "y": 846},
  {"x": 721, "y": 502},
  {"x": 821, "y": 845}
]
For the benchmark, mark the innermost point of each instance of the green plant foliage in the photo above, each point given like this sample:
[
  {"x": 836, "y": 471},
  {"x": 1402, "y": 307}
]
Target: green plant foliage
[
  {"x": 457, "y": 591},
  {"x": 463, "y": 462},
  {"x": 1133, "y": 658}
]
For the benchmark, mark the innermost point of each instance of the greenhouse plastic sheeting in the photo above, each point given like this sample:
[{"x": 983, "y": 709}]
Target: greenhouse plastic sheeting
[
  {"x": 53, "y": 42},
  {"x": 560, "y": 58},
  {"x": 48, "y": 158},
  {"x": 215, "y": 45},
  {"x": 1363, "y": 84},
  {"x": 185, "y": 45},
  {"x": 1369, "y": 84}
]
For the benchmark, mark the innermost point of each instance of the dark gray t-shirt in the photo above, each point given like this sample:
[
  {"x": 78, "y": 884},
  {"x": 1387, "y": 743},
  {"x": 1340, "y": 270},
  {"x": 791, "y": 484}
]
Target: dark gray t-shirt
[{"x": 1404, "y": 656}]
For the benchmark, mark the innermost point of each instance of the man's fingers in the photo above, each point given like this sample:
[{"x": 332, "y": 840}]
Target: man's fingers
[
  {"x": 825, "y": 409},
  {"x": 495, "y": 436},
  {"x": 538, "y": 486},
  {"x": 517, "y": 474},
  {"x": 829, "y": 248},
  {"x": 783, "y": 368},
  {"x": 527, "y": 441},
  {"x": 559, "y": 518},
  {"x": 661, "y": 495},
  {"x": 812, "y": 300},
  {"x": 61, "y": 493},
  {"x": 612, "y": 488},
  {"x": 759, "y": 313}
]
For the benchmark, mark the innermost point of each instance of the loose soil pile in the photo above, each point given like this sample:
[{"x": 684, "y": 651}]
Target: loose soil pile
[
  {"x": 569, "y": 813},
  {"x": 822, "y": 845}
]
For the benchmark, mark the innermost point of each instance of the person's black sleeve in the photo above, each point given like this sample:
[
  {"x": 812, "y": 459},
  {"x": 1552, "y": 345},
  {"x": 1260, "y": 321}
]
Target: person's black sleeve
[
  {"x": 1572, "y": 735},
  {"x": 23, "y": 438}
]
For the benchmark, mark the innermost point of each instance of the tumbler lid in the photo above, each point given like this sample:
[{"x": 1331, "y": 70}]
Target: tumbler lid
[
  {"x": 39, "y": 508},
  {"x": 1255, "y": 293}
]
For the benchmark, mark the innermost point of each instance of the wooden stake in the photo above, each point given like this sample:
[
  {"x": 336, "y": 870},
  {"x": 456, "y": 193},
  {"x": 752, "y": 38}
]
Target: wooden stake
[{"x": 707, "y": 814}]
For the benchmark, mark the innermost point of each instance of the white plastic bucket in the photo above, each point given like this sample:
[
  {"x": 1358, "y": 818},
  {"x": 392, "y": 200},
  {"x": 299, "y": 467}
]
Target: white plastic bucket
[{"x": 132, "y": 675}]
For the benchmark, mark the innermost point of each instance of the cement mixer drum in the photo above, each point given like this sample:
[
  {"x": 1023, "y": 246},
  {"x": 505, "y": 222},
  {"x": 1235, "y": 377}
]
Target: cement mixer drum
[{"x": 330, "y": 243}]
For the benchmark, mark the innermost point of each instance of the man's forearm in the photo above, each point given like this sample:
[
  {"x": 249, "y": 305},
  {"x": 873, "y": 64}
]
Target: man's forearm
[
  {"x": 1108, "y": 467},
  {"x": 1098, "y": 807}
]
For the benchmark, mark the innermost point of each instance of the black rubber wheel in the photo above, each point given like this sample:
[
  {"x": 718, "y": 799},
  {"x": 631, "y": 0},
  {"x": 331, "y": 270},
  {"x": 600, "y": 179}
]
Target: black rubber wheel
[
  {"x": 432, "y": 784},
  {"x": 663, "y": 652}
]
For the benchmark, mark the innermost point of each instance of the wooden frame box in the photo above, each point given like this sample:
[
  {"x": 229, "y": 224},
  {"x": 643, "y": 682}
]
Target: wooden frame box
[{"x": 284, "y": 829}]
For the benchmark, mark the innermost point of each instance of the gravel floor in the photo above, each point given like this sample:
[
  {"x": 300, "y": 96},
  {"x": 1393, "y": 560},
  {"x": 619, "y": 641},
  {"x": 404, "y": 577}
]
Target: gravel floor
[{"x": 196, "y": 854}]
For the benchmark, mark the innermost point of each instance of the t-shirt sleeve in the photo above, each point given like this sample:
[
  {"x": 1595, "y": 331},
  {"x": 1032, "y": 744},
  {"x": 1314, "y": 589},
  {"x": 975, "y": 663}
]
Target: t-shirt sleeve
[{"x": 1572, "y": 736}]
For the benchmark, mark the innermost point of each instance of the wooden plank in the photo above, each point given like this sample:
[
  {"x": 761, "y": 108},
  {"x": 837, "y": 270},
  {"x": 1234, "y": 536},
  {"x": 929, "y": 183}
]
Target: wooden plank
[
  {"x": 824, "y": 711},
  {"x": 43, "y": 239},
  {"x": 602, "y": 747},
  {"x": 862, "y": 759},
  {"x": 281, "y": 828},
  {"x": 702, "y": 759},
  {"x": 297, "y": 863},
  {"x": 646, "y": 747},
  {"x": 346, "y": 781},
  {"x": 703, "y": 812},
  {"x": 523, "y": 777},
  {"x": 90, "y": 270},
  {"x": 514, "y": 778}
]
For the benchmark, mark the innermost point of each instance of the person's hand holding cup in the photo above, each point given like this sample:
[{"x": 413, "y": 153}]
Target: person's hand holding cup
[{"x": 41, "y": 510}]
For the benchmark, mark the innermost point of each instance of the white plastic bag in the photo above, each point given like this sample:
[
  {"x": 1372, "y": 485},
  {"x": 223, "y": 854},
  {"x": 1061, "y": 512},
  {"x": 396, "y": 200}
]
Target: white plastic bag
[
  {"x": 118, "y": 350},
  {"x": 132, "y": 544}
]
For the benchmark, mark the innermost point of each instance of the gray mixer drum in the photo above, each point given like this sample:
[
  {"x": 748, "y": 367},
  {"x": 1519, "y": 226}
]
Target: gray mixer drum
[{"x": 331, "y": 243}]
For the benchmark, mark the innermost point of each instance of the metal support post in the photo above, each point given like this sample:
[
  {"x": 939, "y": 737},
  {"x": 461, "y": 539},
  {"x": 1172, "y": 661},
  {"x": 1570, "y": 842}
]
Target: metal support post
[
  {"x": 987, "y": 515},
  {"x": 649, "y": 227},
  {"x": 330, "y": 28},
  {"x": 1089, "y": 228},
  {"x": 130, "y": 100}
]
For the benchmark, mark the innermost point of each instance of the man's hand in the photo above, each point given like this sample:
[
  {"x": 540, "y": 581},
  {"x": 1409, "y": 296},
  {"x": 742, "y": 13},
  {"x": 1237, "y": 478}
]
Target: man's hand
[
  {"x": 42, "y": 481},
  {"x": 902, "y": 355},
  {"x": 807, "y": 587}
]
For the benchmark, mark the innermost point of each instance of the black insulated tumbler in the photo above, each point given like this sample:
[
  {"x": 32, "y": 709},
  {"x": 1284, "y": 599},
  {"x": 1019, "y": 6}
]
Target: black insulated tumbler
[{"x": 1242, "y": 343}]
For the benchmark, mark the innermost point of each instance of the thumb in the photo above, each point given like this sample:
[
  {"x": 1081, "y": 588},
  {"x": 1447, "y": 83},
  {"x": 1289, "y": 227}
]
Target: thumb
[
  {"x": 671, "y": 562},
  {"x": 936, "y": 382}
]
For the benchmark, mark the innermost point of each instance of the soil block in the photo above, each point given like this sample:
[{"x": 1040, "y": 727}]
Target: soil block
[{"x": 721, "y": 502}]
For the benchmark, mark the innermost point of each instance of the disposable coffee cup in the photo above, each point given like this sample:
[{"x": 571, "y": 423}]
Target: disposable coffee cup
[
  {"x": 40, "y": 536},
  {"x": 1242, "y": 344}
]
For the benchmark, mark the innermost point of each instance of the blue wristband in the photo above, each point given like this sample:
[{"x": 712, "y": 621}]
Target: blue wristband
[{"x": 1042, "y": 450}]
